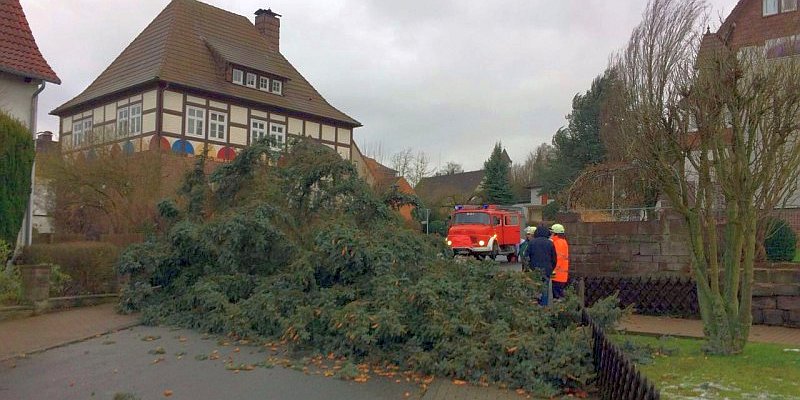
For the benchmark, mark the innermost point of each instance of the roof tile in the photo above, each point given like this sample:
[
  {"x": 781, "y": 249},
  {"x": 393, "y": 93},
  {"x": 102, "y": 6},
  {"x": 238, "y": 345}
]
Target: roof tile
[
  {"x": 19, "y": 54},
  {"x": 179, "y": 47}
]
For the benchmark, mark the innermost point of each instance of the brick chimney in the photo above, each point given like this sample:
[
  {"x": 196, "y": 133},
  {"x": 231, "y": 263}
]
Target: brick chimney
[{"x": 269, "y": 26}]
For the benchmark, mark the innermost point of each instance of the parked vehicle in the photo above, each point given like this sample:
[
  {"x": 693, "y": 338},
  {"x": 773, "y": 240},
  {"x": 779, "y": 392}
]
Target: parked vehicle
[{"x": 485, "y": 231}]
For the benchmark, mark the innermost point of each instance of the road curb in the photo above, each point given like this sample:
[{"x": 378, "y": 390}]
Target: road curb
[{"x": 69, "y": 342}]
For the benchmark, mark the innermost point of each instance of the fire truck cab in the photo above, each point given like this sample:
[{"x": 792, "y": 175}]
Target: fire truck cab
[{"x": 485, "y": 231}]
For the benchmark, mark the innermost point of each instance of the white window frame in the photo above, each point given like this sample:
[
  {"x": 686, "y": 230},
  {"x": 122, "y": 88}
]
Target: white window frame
[
  {"x": 251, "y": 83},
  {"x": 277, "y": 131},
  {"x": 788, "y": 5},
  {"x": 135, "y": 115},
  {"x": 258, "y": 129},
  {"x": 276, "y": 87},
  {"x": 80, "y": 131},
  {"x": 770, "y": 7},
  {"x": 217, "y": 125},
  {"x": 240, "y": 73},
  {"x": 123, "y": 121},
  {"x": 77, "y": 133},
  {"x": 192, "y": 121},
  {"x": 263, "y": 83}
]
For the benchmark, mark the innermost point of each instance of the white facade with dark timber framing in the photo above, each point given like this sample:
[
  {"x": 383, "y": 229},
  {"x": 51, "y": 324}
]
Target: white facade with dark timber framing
[{"x": 199, "y": 77}]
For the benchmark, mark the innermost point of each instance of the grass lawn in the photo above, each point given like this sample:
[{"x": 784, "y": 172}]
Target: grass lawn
[
  {"x": 797, "y": 256},
  {"x": 681, "y": 370}
]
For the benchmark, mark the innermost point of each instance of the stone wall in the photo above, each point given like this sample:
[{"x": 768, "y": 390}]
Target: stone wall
[
  {"x": 652, "y": 248},
  {"x": 776, "y": 294},
  {"x": 660, "y": 249}
]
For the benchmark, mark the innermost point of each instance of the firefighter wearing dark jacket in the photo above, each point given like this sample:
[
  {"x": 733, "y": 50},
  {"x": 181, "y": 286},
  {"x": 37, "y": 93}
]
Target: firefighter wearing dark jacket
[{"x": 542, "y": 255}]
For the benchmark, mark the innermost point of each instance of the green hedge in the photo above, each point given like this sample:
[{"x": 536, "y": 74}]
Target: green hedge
[
  {"x": 781, "y": 241},
  {"x": 90, "y": 265},
  {"x": 16, "y": 162}
]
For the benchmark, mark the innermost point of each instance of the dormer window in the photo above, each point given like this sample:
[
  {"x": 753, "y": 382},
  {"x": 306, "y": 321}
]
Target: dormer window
[
  {"x": 263, "y": 83},
  {"x": 238, "y": 77},
  {"x": 277, "y": 86},
  {"x": 251, "y": 80}
]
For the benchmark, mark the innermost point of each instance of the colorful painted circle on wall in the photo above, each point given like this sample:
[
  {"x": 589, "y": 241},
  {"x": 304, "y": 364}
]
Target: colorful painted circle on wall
[
  {"x": 115, "y": 150},
  {"x": 182, "y": 147},
  {"x": 226, "y": 153},
  {"x": 158, "y": 143},
  {"x": 127, "y": 148}
]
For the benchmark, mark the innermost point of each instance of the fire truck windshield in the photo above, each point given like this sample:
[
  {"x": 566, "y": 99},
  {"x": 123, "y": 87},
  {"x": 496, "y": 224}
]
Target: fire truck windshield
[{"x": 477, "y": 218}]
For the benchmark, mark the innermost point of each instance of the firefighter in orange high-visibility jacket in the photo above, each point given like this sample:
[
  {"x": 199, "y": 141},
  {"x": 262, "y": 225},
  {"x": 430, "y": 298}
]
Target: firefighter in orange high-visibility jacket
[{"x": 561, "y": 273}]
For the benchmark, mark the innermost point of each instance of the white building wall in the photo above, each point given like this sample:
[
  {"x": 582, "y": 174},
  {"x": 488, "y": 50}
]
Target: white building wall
[{"x": 15, "y": 96}]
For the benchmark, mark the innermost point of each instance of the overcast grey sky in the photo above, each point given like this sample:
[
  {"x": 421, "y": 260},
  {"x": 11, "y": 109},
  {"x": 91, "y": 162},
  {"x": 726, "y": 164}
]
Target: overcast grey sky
[{"x": 450, "y": 77}]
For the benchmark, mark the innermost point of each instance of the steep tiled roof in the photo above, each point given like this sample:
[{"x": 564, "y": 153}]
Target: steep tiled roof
[
  {"x": 383, "y": 175},
  {"x": 19, "y": 54},
  {"x": 184, "y": 45},
  {"x": 435, "y": 188}
]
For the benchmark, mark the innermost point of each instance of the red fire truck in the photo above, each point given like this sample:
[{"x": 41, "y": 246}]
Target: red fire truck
[{"x": 487, "y": 230}]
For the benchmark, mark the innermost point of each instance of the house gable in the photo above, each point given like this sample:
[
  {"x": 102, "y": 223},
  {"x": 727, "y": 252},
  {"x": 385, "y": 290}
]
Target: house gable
[
  {"x": 185, "y": 45},
  {"x": 19, "y": 54}
]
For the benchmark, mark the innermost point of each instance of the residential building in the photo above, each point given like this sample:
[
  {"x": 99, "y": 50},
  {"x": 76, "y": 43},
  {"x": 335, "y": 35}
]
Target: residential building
[
  {"x": 768, "y": 27},
  {"x": 382, "y": 178},
  {"x": 24, "y": 72},
  {"x": 442, "y": 192},
  {"x": 199, "y": 78}
]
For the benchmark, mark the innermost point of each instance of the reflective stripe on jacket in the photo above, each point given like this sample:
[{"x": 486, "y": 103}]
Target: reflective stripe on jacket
[{"x": 562, "y": 259}]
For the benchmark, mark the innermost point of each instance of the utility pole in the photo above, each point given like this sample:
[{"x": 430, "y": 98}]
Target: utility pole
[{"x": 427, "y": 220}]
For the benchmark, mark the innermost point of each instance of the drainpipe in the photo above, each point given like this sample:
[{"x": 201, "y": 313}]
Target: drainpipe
[{"x": 28, "y": 228}]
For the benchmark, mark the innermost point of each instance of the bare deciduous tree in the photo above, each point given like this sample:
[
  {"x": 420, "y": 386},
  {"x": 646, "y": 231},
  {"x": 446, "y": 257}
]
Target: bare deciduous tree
[
  {"x": 450, "y": 168},
  {"x": 412, "y": 166},
  {"x": 718, "y": 133}
]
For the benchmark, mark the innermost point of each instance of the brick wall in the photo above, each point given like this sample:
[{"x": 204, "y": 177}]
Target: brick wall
[
  {"x": 752, "y": 29},
  {"x": 791, "y": 216}
]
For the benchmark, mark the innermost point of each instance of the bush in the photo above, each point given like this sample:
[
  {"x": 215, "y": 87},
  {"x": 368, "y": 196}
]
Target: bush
[
  {"x": 439, "y": 227},
  {"x": 781, "y": 241},
  {"x": 89, "y": 266},
  {"x": 16, "y": 162},
  {"x": 550, "y": 211},
  {"x": 303, "y": 251},
  {"x": 10, "y": 286}
]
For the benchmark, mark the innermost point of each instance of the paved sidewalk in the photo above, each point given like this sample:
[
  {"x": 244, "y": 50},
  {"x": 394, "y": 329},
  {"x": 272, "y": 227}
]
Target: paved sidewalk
[
  {"x": 694, "y": 328},
  {"x": 43, "y": 332}
]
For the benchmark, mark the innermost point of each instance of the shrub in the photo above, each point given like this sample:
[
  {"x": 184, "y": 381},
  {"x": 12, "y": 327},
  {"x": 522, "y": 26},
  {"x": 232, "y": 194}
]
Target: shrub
[
  {"x": 16, "y": 162},
  {"x": 10, "y": 286},
  {"x": 781, "y": 241},
  {"x": 550, "y": 211},
  {"x": 303, "y": 251},
  {"x": 439, "y": 227},
  {"x": 89, "y": 265}
]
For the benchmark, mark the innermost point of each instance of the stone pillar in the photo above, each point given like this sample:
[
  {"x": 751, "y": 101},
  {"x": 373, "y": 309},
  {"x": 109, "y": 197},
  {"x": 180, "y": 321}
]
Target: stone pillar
[{"x": 36, "y": 284}]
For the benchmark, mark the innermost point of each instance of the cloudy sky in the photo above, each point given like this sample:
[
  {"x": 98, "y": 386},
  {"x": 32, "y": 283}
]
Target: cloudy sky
[{"x": 448, "y": 77}]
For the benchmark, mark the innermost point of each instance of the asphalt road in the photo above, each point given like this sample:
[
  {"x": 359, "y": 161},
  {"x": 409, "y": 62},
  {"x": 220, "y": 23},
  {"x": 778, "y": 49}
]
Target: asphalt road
[{"x": 159, "y": 362}]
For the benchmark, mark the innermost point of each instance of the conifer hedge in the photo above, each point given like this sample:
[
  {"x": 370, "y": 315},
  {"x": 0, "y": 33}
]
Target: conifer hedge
[
  {"x": 301, "y": 249},
  {"x": 16, "y": 161}
]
